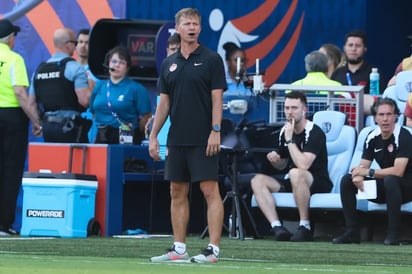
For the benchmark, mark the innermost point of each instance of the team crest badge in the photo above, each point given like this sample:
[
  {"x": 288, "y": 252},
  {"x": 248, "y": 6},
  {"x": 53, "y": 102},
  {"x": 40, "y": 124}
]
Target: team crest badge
[
  {"x": 326, "y": 126},
  {"x": 173, "y": 67}
]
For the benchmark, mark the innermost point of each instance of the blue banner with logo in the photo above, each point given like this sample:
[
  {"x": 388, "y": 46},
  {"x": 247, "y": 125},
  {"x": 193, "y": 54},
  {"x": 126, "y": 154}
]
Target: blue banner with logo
[
  {"x": 39, "y": 19},
  {"x": 278, "y": 33}
]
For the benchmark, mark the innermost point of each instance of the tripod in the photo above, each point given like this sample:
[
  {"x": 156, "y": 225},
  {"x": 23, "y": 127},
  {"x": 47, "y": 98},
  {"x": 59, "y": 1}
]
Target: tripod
[{"x": 233, "y": 194}]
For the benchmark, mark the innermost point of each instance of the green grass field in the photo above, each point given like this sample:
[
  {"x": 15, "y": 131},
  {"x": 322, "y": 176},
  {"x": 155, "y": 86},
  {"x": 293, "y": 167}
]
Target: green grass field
[{"x": 124, "y": 255}]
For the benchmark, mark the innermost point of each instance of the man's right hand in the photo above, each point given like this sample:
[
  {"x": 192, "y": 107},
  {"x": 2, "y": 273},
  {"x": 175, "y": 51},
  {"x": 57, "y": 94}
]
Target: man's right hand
[
  {"x": 36, "y": 130},
  {"x": 358, "y": 182},
  {"x": 154, "y": 149},
  {"x": 273, "y": 157},
  {"x": 289, "y": 128}
]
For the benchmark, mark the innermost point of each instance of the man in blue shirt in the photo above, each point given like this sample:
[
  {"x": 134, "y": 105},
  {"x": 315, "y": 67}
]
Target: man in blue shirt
[{"x": 61, "y": 88}]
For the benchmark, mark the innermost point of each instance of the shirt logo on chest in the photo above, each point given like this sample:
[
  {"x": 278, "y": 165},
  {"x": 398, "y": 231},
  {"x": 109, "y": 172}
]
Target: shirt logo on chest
[
  {"x": 198, "y": 64},
  {"x": 173, "y": 67}
]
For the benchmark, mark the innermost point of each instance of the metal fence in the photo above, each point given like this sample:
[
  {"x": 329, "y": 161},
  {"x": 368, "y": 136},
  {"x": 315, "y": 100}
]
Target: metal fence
[{"x": 348, "y": 99}]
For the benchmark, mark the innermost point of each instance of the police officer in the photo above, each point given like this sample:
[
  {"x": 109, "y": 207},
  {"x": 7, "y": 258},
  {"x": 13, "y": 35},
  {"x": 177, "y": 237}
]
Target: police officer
[
  {"x": 14, "y": 123},
  {"x": 61, "y": 88}
]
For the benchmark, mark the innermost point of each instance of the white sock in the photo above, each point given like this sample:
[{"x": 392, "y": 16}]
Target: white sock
[
  {"x": 180, "y": 247},
  {"x": 215, "y": 249},
  {"x": 276, "y": 223},
  {"x": 305, "y": 223}
]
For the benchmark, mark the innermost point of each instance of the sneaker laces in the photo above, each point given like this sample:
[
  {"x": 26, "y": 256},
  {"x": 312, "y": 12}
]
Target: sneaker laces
[
  {"x": 170, "y": 249},
  {"x": 207, "y": 251}
]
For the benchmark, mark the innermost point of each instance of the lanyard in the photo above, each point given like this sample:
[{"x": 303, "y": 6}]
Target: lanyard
[{"x": 109, "y": 104}]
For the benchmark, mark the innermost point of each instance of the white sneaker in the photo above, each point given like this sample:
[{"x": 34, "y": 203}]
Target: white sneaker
[
  {"x": 171, "y": 256},
  {"x": 205, "y": 256}
]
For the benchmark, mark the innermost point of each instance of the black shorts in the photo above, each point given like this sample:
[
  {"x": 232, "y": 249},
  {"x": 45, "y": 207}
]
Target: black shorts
[
  {"x": 190, "y": 164},
  {"x": 317, "y": 186}
]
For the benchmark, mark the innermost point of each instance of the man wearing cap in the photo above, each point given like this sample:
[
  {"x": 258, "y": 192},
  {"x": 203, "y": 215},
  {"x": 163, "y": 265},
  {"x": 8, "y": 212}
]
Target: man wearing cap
[
  {"x": 15, "y": 112},
  {"x": 61, "y": 88}
]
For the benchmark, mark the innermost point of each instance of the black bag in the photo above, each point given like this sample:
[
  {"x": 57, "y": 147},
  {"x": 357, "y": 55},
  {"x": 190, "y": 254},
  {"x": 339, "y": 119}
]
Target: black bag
[
  {"x": 110, "y": 135},
  {"x": 107, "y": 135}
]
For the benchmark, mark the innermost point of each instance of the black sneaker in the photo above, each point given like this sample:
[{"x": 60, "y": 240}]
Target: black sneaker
[
  {"x": 349, "y": 237},
  {"x": 302, "y": 234},
  {"x": 392, "y": 239},
  {"x": 281, "y": 233},
  {"x": 4, "y": 232}
]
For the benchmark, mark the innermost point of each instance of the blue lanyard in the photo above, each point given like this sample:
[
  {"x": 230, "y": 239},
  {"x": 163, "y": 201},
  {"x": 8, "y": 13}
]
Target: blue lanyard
[{"x": 109, "y": 104}]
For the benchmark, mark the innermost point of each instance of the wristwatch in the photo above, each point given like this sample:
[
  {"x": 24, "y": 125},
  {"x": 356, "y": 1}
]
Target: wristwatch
[
  {"x": 216, "y": 128},
  {"x": 371, "y": 173},
  {"x": 290, "y": 141}
]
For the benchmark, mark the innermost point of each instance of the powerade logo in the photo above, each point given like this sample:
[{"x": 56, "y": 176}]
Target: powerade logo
[{"x": 41, "y": 213}]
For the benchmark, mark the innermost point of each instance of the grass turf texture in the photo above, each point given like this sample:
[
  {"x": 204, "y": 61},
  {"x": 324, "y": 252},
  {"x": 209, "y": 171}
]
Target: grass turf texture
[{"x": 114, "y": 255}]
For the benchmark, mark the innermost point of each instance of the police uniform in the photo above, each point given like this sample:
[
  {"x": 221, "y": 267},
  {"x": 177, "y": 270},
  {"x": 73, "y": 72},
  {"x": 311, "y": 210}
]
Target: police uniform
[
  {"x": 13, "y": 130},
  {"x": 54, "y": 84}
]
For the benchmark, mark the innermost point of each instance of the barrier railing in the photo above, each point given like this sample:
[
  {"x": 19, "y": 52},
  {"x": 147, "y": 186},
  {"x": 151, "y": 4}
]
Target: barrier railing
[{"x": 349, "y": 99}]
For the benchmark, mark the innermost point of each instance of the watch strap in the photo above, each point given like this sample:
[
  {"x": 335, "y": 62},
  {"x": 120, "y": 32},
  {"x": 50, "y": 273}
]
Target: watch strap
[
  {"x": 290, "y": 141},
  {"x": 216, "y": 128}
]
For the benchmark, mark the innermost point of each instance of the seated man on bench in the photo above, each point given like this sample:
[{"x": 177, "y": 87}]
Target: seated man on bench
[
  {"x": 302, "y": 148},
  {"x": 390, "y": 146}
]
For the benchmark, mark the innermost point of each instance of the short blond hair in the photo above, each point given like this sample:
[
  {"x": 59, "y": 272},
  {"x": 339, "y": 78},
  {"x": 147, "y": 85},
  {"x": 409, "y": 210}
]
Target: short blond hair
[{"x": 187, "y": 12}]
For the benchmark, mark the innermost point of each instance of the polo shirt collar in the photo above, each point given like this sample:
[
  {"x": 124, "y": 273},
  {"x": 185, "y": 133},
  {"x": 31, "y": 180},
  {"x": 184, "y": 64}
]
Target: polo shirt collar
[
  {"x": 361, "y": 68},
  {"x": 197, "y": 51},
  {"x": 4, "y": 47}
]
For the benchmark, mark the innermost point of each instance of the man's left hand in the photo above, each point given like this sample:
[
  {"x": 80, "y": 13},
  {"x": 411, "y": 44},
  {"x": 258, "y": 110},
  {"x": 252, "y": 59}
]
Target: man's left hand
[{"x": 213, "y": 144}]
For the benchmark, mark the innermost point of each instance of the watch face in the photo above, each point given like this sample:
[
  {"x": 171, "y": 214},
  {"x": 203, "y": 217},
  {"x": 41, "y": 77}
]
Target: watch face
[{"x": 216, "y": 128}]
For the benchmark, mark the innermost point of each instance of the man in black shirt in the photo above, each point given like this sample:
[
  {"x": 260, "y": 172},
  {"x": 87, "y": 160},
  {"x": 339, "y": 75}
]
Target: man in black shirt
[
  {"x": 357, "y": 70},
  {"x": 390, "y": 146},
  {"x": 302, "y": 150},
  {"x": 191, "y": 83}
]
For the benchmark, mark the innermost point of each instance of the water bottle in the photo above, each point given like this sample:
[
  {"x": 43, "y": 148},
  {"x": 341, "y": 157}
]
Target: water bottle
[{"x": 374, "y": 82}]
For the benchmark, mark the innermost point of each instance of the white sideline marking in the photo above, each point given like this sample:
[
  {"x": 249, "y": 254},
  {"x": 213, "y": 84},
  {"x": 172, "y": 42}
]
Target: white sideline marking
[
  {"x": 276, "y": 266},
  {"x": 142, "y": 236},
  {"x": 13, "y": 238}
]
